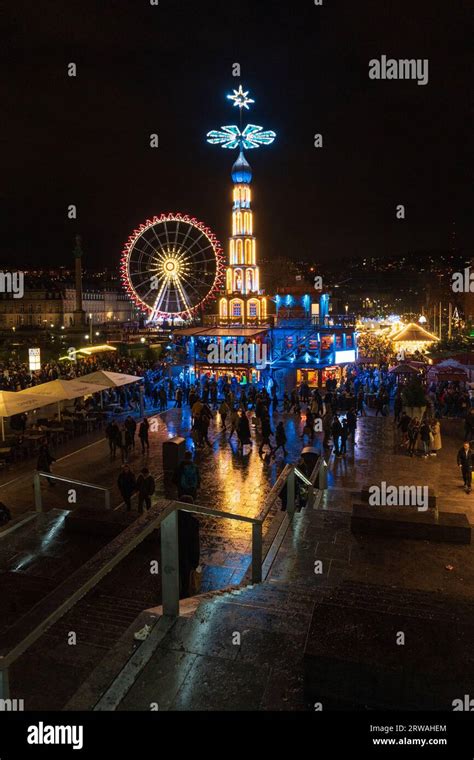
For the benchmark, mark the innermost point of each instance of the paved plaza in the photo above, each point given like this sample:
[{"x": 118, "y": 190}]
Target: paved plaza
[
  {"x": 37, "y": 558},
  {"x": 239, "y": 484}
]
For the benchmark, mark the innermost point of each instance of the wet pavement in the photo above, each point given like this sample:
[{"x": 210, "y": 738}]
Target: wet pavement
[{"x": 38, "y": 557}]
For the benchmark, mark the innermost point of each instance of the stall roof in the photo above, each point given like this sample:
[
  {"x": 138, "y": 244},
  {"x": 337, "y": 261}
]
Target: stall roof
[
  {"x": 61, "y": 390},
  {"x": 413, "y": 332},
  {"x": 225, "y": 332},
  {"x": 108, "y": 379},
  {"x": 12, "y": 402}
]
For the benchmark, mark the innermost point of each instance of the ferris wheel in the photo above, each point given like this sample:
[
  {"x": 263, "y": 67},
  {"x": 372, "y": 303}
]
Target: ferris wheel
[{"x": 171, "y": 265}]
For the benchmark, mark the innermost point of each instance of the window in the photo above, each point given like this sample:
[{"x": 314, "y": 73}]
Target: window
[
  {"x": 236, "y": 309},
  {"x": 252, "y": 309},
  {"x": 326, "y": 342}
]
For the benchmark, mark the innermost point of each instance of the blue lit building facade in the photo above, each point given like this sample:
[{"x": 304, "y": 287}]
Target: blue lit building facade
[{"x": 291, "y": 337}]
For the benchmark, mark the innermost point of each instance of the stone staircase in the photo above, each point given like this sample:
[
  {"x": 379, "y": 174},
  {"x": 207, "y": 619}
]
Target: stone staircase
[{"x": 238, "y": 649}]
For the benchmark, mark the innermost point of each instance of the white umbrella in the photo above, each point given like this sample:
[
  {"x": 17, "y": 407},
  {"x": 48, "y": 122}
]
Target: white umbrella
[{"x": 16, "y": 403}]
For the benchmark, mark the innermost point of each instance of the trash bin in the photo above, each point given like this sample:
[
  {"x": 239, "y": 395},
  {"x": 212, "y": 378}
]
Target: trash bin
[
  {"x": 173, "y": 453},
  {"x": 310, "y": 456}
]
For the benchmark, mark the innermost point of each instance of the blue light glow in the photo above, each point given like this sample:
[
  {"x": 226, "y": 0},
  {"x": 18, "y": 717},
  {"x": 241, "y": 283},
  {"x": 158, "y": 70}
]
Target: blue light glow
[
  {"x": 306, "y": 302},
  {"x": 231, "y": 137},
  {"x": 289, "y": 300},
  {"x": 306, "y": 357}
]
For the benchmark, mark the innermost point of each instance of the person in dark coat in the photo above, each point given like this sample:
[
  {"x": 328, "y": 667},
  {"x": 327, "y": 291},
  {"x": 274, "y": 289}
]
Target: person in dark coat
[
  {"x": 143, "y": 434},
  {"x": 188, "y": 547},
  {"x": 127, "y": 485},
  {"x": 125, "y": 442},
  {"x": 243, "y": 430},
  {"x": 146, "y": 489},
  {"x": 131, "y": 426},
  {"x": 45, "y": 460},
  {"x": 280, "y": 437},
  {"x": 465, "y": 462},
  {"x": 266, "y": 433},
  {"x": 112, "y": 431},
  {"x": 336, "y": 435}
]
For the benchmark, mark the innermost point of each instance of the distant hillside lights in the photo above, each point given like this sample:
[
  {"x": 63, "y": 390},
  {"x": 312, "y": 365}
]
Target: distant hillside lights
[
  {"x": 12, "y": 282},
  {"x": 463, "y": 282},
  {"x": 241, "y": 353}
]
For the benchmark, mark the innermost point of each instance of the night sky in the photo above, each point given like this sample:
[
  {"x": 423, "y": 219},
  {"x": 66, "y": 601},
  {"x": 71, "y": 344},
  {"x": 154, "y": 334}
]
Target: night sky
[{"x": 167, "y": 69}]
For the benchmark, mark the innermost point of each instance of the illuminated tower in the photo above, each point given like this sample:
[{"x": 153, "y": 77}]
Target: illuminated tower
[{"x": 243, "y": 301}]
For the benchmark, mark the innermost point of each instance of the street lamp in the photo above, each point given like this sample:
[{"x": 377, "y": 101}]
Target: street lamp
[{"x": 90, "y": 328}]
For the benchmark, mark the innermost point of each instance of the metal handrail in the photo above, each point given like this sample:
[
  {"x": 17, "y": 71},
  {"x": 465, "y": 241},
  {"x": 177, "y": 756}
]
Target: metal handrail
[
  {"x": 167, "y": 520},
  {"x": 49, "y": 475},
  {"x": 171, "y": 508}
]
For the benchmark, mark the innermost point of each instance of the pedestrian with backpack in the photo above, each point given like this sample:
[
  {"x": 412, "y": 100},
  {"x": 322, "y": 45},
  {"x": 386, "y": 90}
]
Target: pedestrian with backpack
[
  {"x": 187, "y": 477},
  {"x": 145, "y": 488}
]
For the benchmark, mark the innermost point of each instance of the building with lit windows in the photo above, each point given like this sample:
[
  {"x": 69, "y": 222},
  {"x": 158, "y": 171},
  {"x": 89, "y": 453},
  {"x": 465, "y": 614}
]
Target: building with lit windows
[
  {"x": 243, "y": 301},
  {"x": 288, "y": 338}
]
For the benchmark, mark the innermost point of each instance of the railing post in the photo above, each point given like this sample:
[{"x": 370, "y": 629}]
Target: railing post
[
  {"x": 256, "y": 552},
  {"x": 37, "y": 492},
  {"x": 4, "y": 684},
  {"x": 170, "y": 565},
  {"x": 107, "y": 498},
  {"x": 290, "y": 492},
  {"x": 323, "y": 476}
]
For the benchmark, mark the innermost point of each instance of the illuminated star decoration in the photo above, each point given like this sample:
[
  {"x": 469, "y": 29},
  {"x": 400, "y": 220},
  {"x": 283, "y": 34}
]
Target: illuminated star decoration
[
  {"x": 231, "y": 137},
  {"x": 240, "y": 98}
]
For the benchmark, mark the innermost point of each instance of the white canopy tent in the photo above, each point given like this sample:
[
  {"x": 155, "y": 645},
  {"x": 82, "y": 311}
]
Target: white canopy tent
[
  {"x": 109, "y": 379},
  {"x": 61, "y": 390},
  {"x": 12, "y": 403}
]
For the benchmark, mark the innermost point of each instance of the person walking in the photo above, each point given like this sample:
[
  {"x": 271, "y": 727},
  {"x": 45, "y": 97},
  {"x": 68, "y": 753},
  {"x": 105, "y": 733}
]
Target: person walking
[
  {"x": 413, "y": 431},
  {"x": 131, "y": 426},
  {"x": 143, "y": 435},
  {"x": 125, "y": 443},
  {"x": 266, "y": 433},
  {"x": 309, "y": 425},
  {"x": 336, "y": 435},
  {"x": 425, "y": 437},
  {"x": 224, "y": 410},
  {"x": 188, "y": 551},
  {"x": 327, "y": 427},
  {"x": 234, "y": 421},
  {"x": 344, "y": 436},
  {"x": 397, "y": 406},
  {"x": 187, "y": 477},
  {"x": 45, "y": 460},
  {"x": 243, "y": 431},
  {"x": 280, "y": 437},
  {"x": 127, "y": 485},
  {"x": 112, "y": 431},
  {"x": 436, "y": 442},
  {"x": 145, "y": 488},
  {"x": 465, "y": 462}
]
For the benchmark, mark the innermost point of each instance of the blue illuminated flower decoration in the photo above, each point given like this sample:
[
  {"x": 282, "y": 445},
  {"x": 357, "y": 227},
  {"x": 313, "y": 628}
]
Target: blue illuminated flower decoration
[{"x": 231, "y": 137}]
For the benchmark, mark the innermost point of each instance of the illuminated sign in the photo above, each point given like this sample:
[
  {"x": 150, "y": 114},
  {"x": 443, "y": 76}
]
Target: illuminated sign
[
  {"x": 343, "y": 357},
  {"x": 34, "y": 358}
]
